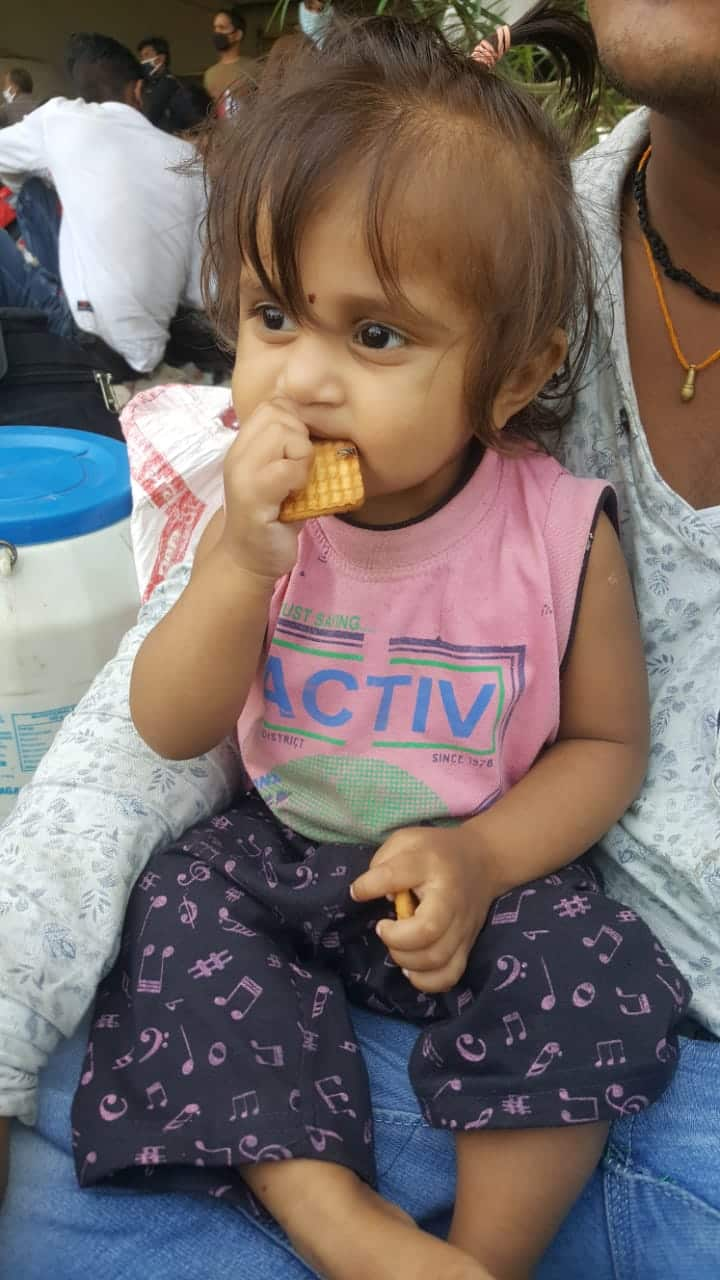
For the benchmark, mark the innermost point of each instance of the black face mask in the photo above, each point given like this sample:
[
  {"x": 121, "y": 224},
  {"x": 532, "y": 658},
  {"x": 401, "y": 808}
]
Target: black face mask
[{"x": 221, "y": 41}]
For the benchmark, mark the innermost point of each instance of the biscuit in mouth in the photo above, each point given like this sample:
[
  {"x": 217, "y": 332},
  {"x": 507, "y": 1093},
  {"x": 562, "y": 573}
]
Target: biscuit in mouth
[{"x": 334, "y": 485}]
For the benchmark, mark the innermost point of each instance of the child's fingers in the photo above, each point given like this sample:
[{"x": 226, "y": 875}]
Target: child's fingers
[
  {"x": 272, "y": 432},
  {"x": 396, "y": 875},
  {"x": 434, "y": 981},
  {"x": 432, "y": 922},
  {"x": 427, "y": 959},
  {"x": 279, "y": 478}
]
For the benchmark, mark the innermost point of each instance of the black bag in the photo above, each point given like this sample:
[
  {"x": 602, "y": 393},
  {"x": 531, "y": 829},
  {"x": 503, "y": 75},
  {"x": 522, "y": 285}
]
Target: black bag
[{"x": 49, "y": 381}]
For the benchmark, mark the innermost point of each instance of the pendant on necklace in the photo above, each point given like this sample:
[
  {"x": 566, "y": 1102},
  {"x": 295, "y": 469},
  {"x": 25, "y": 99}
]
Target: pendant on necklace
[{"x": 688, "y": 387}]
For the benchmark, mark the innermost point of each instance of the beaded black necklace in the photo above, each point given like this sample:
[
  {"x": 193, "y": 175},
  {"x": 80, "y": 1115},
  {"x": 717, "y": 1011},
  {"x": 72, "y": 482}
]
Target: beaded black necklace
[{"x": 658, "y": 246}]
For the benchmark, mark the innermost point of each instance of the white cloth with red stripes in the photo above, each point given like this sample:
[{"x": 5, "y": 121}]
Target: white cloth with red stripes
[{"x": 177, "y": 438}]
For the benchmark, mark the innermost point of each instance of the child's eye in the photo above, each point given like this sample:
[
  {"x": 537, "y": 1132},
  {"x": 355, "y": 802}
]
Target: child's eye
[
  {"x": 274, "y": 319},
  {"x": 379, "y": 337}
]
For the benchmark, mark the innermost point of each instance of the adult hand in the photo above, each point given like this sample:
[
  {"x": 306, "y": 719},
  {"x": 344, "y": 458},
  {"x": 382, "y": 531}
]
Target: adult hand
[{"x": 443, "y": 867}]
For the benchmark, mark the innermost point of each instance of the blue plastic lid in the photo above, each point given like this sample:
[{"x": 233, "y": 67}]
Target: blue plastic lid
[{"x": 59, "y": 483}]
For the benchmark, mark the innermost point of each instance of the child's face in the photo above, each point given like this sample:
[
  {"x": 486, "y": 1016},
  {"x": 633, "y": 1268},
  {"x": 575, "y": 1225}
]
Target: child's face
[{"x": 362, "y": 368}]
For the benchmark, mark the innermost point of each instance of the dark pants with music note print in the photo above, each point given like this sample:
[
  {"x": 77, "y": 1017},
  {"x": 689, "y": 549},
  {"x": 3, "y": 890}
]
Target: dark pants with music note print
[{"x": 222, "y": 1035}]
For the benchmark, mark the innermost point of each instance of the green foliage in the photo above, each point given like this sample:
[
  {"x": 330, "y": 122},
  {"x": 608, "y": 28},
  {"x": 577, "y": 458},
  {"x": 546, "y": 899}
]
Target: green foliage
[{"x": 473, "y": 21}]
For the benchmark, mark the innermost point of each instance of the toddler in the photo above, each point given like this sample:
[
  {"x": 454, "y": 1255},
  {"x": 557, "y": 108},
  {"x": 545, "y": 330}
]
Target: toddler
[{"x": 442, "y": 693}]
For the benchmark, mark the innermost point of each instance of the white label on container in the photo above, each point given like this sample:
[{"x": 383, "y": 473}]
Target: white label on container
[{"x": 25, "y": 736}]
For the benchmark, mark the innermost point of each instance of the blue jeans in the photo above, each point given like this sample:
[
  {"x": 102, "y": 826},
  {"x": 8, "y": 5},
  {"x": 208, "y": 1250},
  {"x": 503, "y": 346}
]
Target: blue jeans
[
  {"x": 34, "y": 287},
  {"x": 38, "y": 215},
  {"x": 652, "y": 1210}
]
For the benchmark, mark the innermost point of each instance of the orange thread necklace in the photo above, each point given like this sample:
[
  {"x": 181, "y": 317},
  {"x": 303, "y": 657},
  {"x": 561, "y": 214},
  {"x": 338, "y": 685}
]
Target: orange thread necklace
[{"x": 687, "y": 391}]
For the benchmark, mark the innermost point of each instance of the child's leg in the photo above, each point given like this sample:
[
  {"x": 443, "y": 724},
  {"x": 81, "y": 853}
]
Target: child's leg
[
  {"x": 514, "y": 1188},
  {"x": 564, "y": 1020},
  {"x": 345, "y": 1231}
]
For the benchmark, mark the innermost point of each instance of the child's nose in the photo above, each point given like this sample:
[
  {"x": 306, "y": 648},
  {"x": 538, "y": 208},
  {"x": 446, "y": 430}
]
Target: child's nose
[{"x": 309, "y": 373}]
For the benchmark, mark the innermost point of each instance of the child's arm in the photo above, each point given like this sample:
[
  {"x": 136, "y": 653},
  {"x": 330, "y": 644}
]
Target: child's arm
[
  {"x": 574, "y": 793},
  {"x": 589, "y": 777},
  {"x": 192, "y": 675}
]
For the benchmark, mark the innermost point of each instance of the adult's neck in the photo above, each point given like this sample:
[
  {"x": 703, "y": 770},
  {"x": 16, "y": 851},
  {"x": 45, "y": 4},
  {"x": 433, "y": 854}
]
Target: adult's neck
[
  {"x": 230, "y": 55},
  {"x": 683, "y": 188}
]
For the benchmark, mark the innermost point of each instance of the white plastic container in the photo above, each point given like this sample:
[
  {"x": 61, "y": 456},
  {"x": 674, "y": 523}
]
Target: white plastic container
[{"x": 68, "y": 590}]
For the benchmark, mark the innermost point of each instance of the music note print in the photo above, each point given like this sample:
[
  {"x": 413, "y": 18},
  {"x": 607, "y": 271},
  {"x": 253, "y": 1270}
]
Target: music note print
[
  {"x": 275, "y": 1058},
  {"x": 183, "y": 1117},
  {"x": 156, "y": 1096},
  {"x": 156, "y": 1038},
  {"x": 454, "y": 1085},
  {"x": 583, "y": 995},
  {"x": 548, "y": 1001},
  {"x": 198, "y": 871},
  {"x": 518, "y": 969},
  {"x": 514, "y": 1020},
  {"x": 545, "y": 1057},
  {"x": 249, "y": 1105},
  {"x": 229, "y": 924},
  {"x": 153, "y": 986},
  {"x": 251, "y": 989},
  {"x": 481, "y": 1121},
  {"x": 583, "y": 1110},
  {"x": 641, "y": 1006},
  {"x": 188, "y": 911},
  {"x": 89, "y": 1071},
  {"x": 607, "y": 1051},
  {"x": 505, "y": 914},
  {"x": 322, "y": 995},
  {"x": 108, "y": 1105},
  {"x": 156, "y": 904},
  {"x": 676, "y": 989},
  {"x": 188, "y": 1065},
  {"x": 470, "y": 1048},
  {"x": 217, "y": 1053},
  {"x": 604, "y": 932},
  {"x": 212, "y": 1151},
  {"x": 90, "y": 1159},
  {"x": 318, "y": 1137}
]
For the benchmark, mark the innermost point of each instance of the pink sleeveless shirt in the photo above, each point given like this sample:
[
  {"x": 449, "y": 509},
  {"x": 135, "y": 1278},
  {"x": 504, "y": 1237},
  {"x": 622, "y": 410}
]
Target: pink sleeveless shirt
[{"x": 412, "y": 675}]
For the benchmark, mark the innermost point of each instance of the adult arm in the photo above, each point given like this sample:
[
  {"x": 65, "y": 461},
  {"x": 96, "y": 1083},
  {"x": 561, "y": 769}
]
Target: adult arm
[
  {"x": 100, "y": 803},
  {"x": 23, "y": 150}
]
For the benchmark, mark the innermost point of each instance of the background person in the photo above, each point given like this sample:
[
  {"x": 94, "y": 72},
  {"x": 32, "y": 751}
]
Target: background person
[
  {"x": 18, "y": 99},
  {"x": 167, "y": 102},
  {"x": 129, "y": 241},
  {"x": 233, "y": 70}
]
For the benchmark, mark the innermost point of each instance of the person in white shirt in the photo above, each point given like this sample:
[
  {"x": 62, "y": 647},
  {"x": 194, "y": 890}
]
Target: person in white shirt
[{"x": 129, "y": 246}]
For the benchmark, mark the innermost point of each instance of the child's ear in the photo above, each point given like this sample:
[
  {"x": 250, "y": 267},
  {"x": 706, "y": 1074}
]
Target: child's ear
[{"x": 522, "y": 386}]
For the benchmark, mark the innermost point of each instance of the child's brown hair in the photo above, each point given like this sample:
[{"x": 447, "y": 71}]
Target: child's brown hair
[{"x": 460, "y": 165}]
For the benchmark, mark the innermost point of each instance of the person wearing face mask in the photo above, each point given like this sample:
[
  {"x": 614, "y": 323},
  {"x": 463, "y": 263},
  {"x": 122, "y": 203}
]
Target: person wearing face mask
[
  {"x": 166, "y": 101},
  {"x": 315, "y": 17},
  {"x": 233, "y": 70},
  {"x": 159, "y": 84},
  {"x": 17, "y": 96}
]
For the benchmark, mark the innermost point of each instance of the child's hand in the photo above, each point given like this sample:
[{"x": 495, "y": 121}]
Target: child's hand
[
  {"x": 443, "y": 867},
  {"x": 271, "y": 457}
]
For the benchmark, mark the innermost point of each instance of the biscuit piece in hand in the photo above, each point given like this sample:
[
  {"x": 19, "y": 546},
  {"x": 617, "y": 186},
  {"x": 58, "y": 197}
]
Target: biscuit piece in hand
[
  {"x": 335, "y": 483},
  {"x": 404, "y": 904}
]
